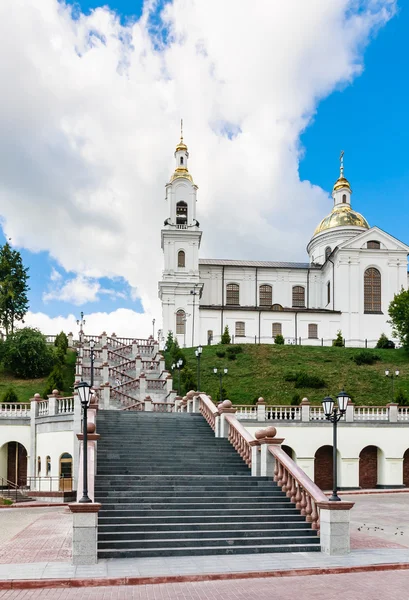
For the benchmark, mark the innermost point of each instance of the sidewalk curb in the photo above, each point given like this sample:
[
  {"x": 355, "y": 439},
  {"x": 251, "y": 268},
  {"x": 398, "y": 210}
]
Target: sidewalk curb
[{"x": 21, "y": 584}]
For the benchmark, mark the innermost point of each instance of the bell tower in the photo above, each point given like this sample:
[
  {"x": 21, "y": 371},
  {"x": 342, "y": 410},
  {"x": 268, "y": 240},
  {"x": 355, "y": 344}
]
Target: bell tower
[
  {"x": 180, "y": 287},
  {"x": 341, "y": 192}
]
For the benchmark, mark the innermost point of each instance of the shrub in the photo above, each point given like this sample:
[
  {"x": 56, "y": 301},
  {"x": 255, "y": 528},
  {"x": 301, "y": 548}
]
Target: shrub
[
  {"x": 365, "y": 357},
  {"x": 225, "y": 336},
  {"x": 60, "y": 356},
  {"x": 220, "y": 353},
  {"x": 61, "y": 341},
  {"x": 385, "y": 342},
  {"x": 187, "y": 380},
  {"x": 295, "y": 400},
  {"x": 55, "y": 381},
  {"x": 224, "y": 395},
  {"x": 302, "y": 379},
  {"x": 401, "y": 398},
  {"x": 10, "y": 396},
  {"x": 234, "y": 350},
  {"x": 232, "y": 356},
  {"x": 290, "y": 376},
  {"x": 279, "y": 339},
  {"x": 26, "y": 354},
  {"x": 339, "y": 340}
]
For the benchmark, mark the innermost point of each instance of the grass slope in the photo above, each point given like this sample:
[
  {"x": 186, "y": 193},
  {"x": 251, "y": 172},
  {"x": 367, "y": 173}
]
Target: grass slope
[
  {"x": 26, "y": 388},
  {"x": 260, "y": 371}
]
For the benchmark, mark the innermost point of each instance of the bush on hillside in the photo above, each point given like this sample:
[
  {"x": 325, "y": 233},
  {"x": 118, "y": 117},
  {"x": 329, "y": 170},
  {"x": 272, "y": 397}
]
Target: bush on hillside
[
  {"x": 339, "y": 340},
  {"x": 26, "y": 354},
  {"x": 220, "y": 354},
  {"x": 279, "y": 339},
  {"x": 61, "y": 341},
  {"x": 225, "y": 336},
  {"x": 234, "y": 350},
  {"x": 10, "y": 396},
  {"x": 365, "y": 357},
  {"x": 304, "y": 380},
  {"x": 232, "y": 356},
  {"x": 401, "y": 398},
  {"x": 295, "y": 400},
  {"x": 187, "y": 381},
  {"x": 55, "y": 381},
  {"x": 384, "y": 342}
]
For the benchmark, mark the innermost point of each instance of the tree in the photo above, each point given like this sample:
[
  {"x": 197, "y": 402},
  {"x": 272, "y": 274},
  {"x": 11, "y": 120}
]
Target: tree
[
  {"x": 10, "y": 396},
  {"x": 26, "y": 354},
  {"x": 61, "y": 341},
  {"x": 13, "y": 288},
  {"x": 399, "y": 317},
  {"x": 187, "y": 380},
  {"x": 279, "y": 339},
  {"x": 339, "y": 340},
  {"x": 226, "y": 336},
  {"x": 55, "y": 381}
]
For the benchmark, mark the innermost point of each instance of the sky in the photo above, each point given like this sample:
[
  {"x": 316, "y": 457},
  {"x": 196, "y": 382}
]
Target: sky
[{"x": 269, "y": 98}]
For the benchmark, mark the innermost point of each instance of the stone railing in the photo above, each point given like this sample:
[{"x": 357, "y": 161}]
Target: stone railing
[
  {"x": 17, "y": 410},
  {"x": 117, "y": 373},
  {"x": 65, "y": 405},
  {"x": 371, "y": 413},
  {"x": 163, "y": 407},
  {"x": 239, "y": 437},
  {"x": 155, "y": 384},
  {"x": 208, "y": 410},
  {"x": 403, "y": 414},
  {"x": 245, "y": 411},
  {"x": 42, "y": 408},
  {"x": 283, "y": 413},
  {"x": 86, "y": 372}
]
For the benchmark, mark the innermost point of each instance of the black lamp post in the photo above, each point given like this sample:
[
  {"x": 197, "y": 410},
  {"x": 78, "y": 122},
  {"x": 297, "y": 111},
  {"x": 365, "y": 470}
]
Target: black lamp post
[
  {"x": 84, "y": 393},
  {"x": 92, "y": 356},
  {"x": 334, "y": 413},
  {"x": 221, "y": 373},
  {"x": 153, "y": 328},
  {"x": 392, "y": 376},
  {"x": 194, "y": 293},
  {"x": 198, "y": 356},
  {"x": 178, "y": 366}
]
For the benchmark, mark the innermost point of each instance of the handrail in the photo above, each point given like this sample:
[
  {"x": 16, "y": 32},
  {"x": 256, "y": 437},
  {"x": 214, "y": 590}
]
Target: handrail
[
  {"x": 137, "y": 406},
  {"x": 240, "y": 438},
  {"x": 11, "y": 488},
  {"x": 208, "y": 410},
  {"x": 298, "y": 486}
]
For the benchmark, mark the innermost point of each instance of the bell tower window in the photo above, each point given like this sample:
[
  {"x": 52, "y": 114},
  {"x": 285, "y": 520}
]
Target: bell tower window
[
  {"x": 344, "y": 198},
  {"x": 181, "y": 213},
  {"x": 181, "y": 259},
  {"x": 372, "y": 291},
  {"x": 181, "y": 160}
]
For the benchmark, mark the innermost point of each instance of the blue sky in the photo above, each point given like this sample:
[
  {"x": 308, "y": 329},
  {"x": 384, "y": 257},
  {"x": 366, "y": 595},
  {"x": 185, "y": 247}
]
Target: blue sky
[{"x": 367, "y": 118}]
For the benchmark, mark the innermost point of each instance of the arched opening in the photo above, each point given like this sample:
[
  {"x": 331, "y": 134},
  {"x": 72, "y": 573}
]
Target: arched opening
[
  {"x": 66, "y": 472},
  {"x": 323, "y": 468},
  {"x": 298, "y": 296},
  {"x": 289, "y": 451},
  {"x": 344, "y": 198},
  {"x": 372, "y": 291},
  {"x": 233, "y": 294},
  {"x": 181, "y": 160},
  {"x": 14, "y": 463},
  {"x": 181, "y": 258},
  {"x": 406, "y": 468},
  {"x": 180, "y": 322},
  {"x": 240, "y": 329},
  {"x": 373, "y": 245},
  {"x": 181, "y": 213},
  {"x": 48, "y": 466},
  {"x": 327, "y": 252},
  {"x": 276, "y": 307},
  {"x": 368, "y": 467},
  {"x": 266, "y": 295}
]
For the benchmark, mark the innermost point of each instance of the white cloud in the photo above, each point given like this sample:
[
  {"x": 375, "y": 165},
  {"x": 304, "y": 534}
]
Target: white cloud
[
  {"x": 78, "y": 290},
  {"x": 55, "y": 275},
  {"x": 90, "y": 120}
]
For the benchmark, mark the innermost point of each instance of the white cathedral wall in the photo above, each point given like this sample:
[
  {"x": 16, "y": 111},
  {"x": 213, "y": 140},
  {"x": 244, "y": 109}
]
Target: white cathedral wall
[{"x": 54, "y": 444}]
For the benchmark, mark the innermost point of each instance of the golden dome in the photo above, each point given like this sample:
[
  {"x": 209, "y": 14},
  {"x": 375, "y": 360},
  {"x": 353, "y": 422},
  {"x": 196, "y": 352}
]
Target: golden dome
[
  {"x": 181, "y": 146},
  {"x": 181, "y": 172},
  {"x": 342, "y": 216},
  {"x": 341, "y": 182}
]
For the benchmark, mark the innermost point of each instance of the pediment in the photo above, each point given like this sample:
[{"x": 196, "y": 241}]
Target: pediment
[{"x": 387, "y": 241}]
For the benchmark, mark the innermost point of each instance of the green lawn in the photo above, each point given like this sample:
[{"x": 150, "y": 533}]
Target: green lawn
[
  {"x": 26, "y": 388},
  {"x": 260, "y": 371}
]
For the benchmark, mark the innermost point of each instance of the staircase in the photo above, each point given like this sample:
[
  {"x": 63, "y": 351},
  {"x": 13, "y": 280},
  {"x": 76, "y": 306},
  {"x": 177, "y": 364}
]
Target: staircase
[{"x": 168, "y": 487}]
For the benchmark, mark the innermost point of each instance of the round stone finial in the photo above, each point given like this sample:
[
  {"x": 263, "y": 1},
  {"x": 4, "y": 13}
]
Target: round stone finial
[
  {"x": 260, "y": 434},
  {"x": 37, "y": 396},
  {"x": 270, "y": 431},
  {"x": 227, "y": 404},
  {"x": 260, "y": 399},
  {"x": 91, "y": 427},
  {"x": 190, "y": 394},
  {"x": 55, "y": 392}
]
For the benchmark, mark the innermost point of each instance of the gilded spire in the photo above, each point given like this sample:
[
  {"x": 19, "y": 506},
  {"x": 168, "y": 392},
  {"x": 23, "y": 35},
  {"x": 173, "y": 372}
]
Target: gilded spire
[
  {"x": 181, "y": 145},
  {"x": 181, "y": 170},
  {"x": 342, "y": 181}
]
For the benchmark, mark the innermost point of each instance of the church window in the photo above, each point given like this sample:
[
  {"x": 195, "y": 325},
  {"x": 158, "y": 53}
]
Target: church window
[
  {"x": 181, "y": 258},
  {"x": 276, "y": 307},
  {"x": 48, "y": 465},
  {"x": 232, "y": 294},
  {"x": 313, "y": 331},
  {"x": 344, "y": 198},
  {"x": 38, "y": 466},
  {"x": 181, "y": 160},
  {"x": 276, "y": 329},
  {"x": 181, "y": 213},
  {"x": 328, "y": 292},
  {"x": 373, "y": 245},
  {"x": 298, "y": 296},
  {"x": 327, "y": 252},
  {"x": 372, "y": 291},
  {"x": 209, "y": 336},
  {"x": 240, "y": 329},
  {"x": 180, "y": 322},
  {"x": 266, "y": 295}
]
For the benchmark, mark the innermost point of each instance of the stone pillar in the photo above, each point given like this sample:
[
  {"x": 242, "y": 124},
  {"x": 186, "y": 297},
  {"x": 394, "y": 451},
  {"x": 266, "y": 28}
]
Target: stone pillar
[
  {"x": 393, "y": 412},
  {"x": 52, "y": 403},
  {"x": 169, "y": 383},
  {"x": 142, "y": 385},
  {"x": 104, "y": 354},
  {"x": 148, "y": 404},
  {"x": 349, "y": 415},
  {"x": 225, "y": 408},
  {"x": 70, "y": 340},
  {"x": 105, "y": 395},
  {"x": 334, "y": 527},
  {"x": 103, "y": 339},
  {"x": 135, "y": 350},
  {"x": 305, "y": 410},
  {"x": 76, "y": 429},
  {"x": 31, "y": 462},
  {"x": 84, "y": 535},
  {"x": 196, "y": 400},
  {"x": 255, "y": 460},
  {"x": 161, "y": 360},
  {"x": 266, "y": 437},
  {"x": 261, "y": 410},
  {"x": 138, "y": 365},
  {"x": 105, "y": 371}
]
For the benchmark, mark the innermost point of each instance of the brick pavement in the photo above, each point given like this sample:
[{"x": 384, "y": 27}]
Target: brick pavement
[{"x": 350, "y": 586}]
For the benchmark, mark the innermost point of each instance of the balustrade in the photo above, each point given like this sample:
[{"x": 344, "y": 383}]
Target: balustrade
[
  {"x": 371, "y": 413},
  {"x": 283, "y": 413},
  {"x": 240, "y": 438},
  {"x": 317, "y": 414},
  {"x": 208, "y": 410},
  {"x": 43, "y": 408},
  {"x": 403, "y": 414},
  {"x": 163, "y": 407},
  {"x": 17, "y": 410},
  {"x": 155, "y": 384},
  {"x": 244, "y": 411},
  {"x": 65, "y": 405}
]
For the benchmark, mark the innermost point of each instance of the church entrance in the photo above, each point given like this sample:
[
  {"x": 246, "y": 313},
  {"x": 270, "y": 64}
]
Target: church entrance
[{"x": 16, "y": 463}]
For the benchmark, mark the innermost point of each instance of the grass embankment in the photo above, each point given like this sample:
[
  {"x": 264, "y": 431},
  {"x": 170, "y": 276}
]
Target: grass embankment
[
  {"x": 26, "y": 388},
  {"x": 260, "y": 371}
]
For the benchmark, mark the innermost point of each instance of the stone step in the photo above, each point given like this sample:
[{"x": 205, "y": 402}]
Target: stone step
[
  {"x": 109, "y": 510},
  {"x": 132, "y": 536},
  {"x": 115, "y": 518},
  {"x": 157, "y": 527}
]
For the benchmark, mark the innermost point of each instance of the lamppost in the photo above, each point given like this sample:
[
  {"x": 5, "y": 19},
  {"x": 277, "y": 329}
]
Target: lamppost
[
  {"x": 92, "y": 356},
  {"x": 84, "y": 393},
  {"x": 221, "y": 373},
  {"x": 194, "y": 293},
  {"x": 178, "y": 366},
  {"x": 153, "y": 328},
  {"x": 81, "y": 321},
  {"x": 198, "y": 356},
  {"x": 392, "y": 376},
  {"x": 334, "y": 413}
]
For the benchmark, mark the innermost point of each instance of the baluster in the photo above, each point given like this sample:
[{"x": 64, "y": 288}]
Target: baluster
[
  {"x": 284, "y": 480},
  {"x": 298, "y": 497},
  {"x": 293, "y": 490},
  {"x": 276, "y": 464},
  {"x": 290, "y": 482},
  {"x": 303, "y": 503},
  {"x": 308, "y": 509},
  {"x": 314, "y": 516},
  {"x": 280, "y": 474}
]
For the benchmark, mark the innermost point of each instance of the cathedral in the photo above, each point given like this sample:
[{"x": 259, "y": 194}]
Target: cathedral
[{"x": 351, "y": 276}]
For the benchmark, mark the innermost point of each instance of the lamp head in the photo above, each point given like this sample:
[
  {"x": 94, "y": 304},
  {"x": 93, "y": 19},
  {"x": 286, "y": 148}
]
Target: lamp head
[
  {"x": 328, "y": 406},
  {"x": 84, "y": 393},
  {"x": 215, "y": 370},
  {"x": 397, "y": 373},
  {"x": 343, "y": 400},
  {"x": 199, "y": 349},
  {"x": 92, "y": 344},
  {"x": 225, "y": 371}
]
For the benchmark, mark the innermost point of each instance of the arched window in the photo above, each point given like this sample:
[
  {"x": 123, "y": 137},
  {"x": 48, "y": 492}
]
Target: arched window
[
  {"x": 276, "y": 307},
  {"x": 181, "y": 213},
  {"x": 48, "y": 466},
  {"x": 240, "y": 329},
  {"x": 38, "y": 466},
  {"x": 232, "y": 294},
  {"x": 298, "y": 296},
  {"x": 65, "y": 472},
  {"x": 181, "y": 160},
  {"x": 327, "y": 252},
  {"x": 180, "y": 322},
  {"x": 344, "y": 198},
  {"x": 372, "y": 291},
  {"x": 276, "y": 329},
  {"x": 328, "y": 292},
  {"x": 266, "y": 295},
  {"x": 373, "y": 245},
  {"x": 181, "y": 258},
  {"x": 313, "y": 331}
]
